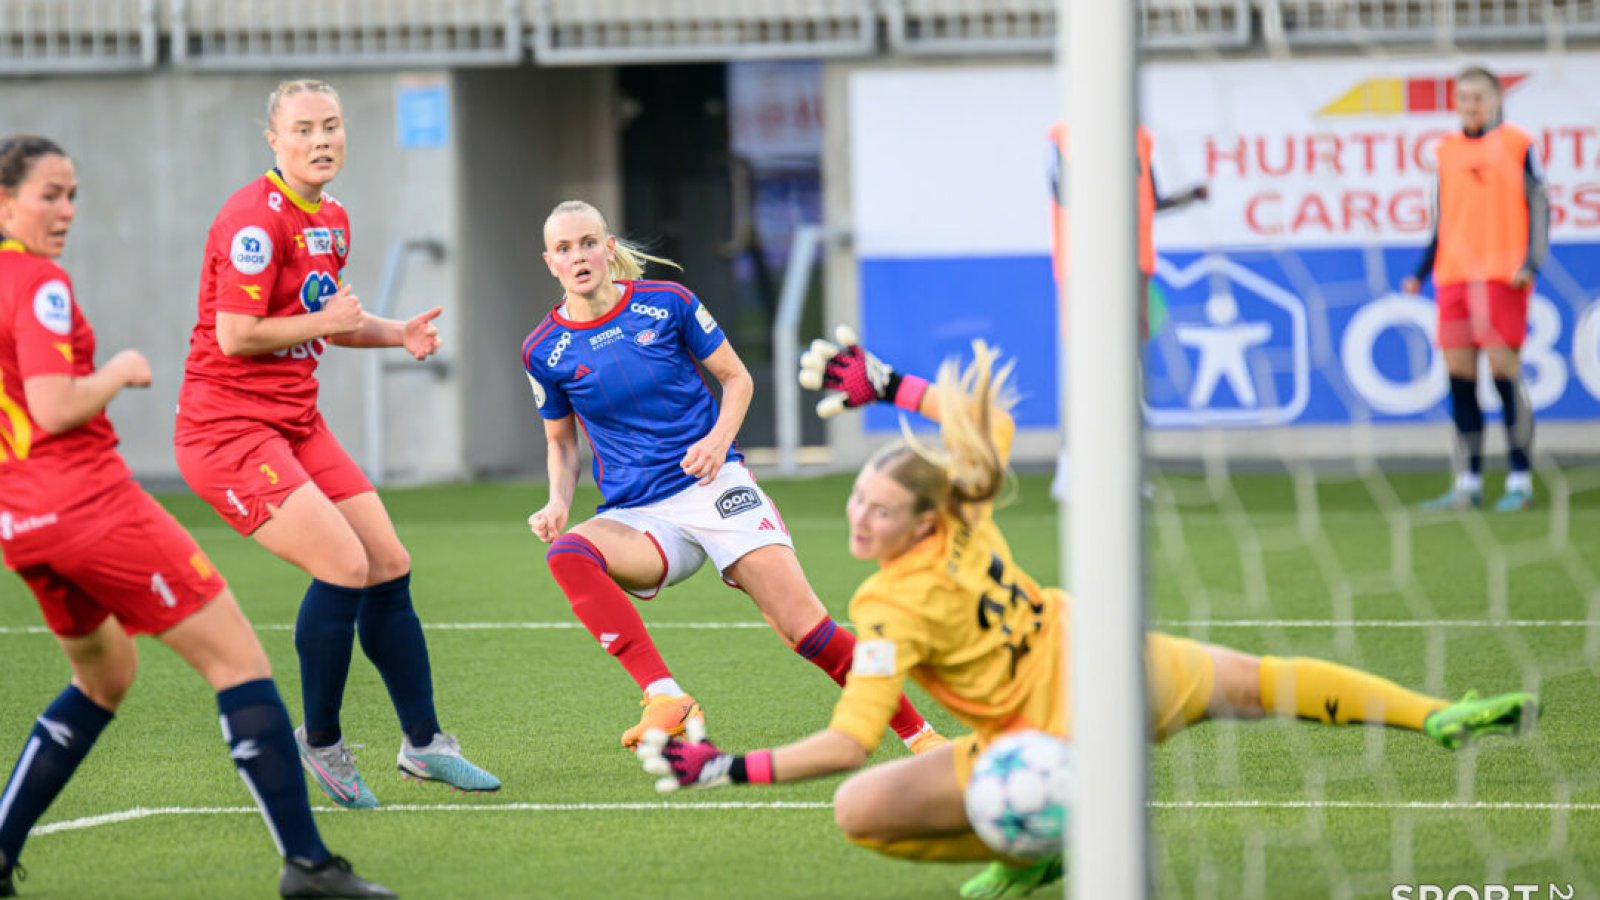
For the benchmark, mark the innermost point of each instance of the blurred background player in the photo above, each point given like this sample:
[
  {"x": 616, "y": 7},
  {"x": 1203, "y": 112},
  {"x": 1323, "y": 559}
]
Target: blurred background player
[
  {"x": 103, "y": 559},
  {"x": 1491, "y": 232},
  {"x": 950, "y": 608},
  {"x": 1152, "y": 307},
  {"x": 252, "y": 443},
  {"x": 618, "y": 357}
]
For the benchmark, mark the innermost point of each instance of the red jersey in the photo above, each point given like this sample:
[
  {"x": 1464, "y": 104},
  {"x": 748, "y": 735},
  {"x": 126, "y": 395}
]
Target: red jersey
[
  {"x": 269, "y": 253},
  {"x": 42, "y": 332}
]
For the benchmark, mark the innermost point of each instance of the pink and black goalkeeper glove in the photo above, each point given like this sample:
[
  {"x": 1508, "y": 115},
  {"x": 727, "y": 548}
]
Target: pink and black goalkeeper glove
[
  {"x": 858, "y": 375},
  {"x": 697, "y": 763}
]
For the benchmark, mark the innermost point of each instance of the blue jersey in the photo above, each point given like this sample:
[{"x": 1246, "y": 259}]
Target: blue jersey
[{"x": 630, "y": 377}]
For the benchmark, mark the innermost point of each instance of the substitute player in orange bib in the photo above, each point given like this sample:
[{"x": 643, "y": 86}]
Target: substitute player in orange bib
[
  {"x": 103, "y": 559},
  {"x": 252, "y": 444},
  {"x": 1491, "y": 235},
  {"x": 952, "y": 609}
]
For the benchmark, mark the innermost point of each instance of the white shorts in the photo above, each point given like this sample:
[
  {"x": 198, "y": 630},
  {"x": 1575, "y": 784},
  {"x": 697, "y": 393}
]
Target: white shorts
[{"x": 722, "y": 520}]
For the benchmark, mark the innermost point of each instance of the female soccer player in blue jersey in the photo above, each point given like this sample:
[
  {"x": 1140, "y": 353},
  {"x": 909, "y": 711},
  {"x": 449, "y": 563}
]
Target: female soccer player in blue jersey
[{"x": 617, "y": 357}]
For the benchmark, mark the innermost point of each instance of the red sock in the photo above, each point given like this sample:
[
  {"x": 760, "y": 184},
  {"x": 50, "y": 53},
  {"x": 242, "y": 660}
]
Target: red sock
[
  {"x": 580, "y": 569},
  {"x": 832, "y": 649}
]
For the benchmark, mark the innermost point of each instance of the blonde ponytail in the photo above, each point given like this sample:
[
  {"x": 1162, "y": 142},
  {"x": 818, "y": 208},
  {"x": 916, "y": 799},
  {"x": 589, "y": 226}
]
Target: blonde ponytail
[{"x": 630, "y": 259}]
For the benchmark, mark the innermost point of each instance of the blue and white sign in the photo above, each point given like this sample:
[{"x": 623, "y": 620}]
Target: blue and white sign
[
  {"x": 1274, "y": 303},
  {"x": 422, "y": 116}
]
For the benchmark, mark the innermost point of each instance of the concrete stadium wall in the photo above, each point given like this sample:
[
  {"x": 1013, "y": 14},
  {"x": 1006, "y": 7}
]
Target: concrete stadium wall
[{"x": 158, "y": 154}]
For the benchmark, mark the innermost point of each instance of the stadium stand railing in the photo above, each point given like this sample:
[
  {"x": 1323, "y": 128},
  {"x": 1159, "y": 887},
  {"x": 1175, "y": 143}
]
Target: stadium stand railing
[
  {"x": 228, "y": 34},
  {"x": 584, "y": 32},
  {"x": 58, "y": 36},
  {"x": 87, "y": 36}
]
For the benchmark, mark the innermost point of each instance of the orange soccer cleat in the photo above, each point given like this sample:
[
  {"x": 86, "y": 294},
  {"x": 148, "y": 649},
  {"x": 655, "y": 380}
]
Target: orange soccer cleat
[
  {"x": 925, "y": 740},
  {"x": 668, "y": 713}
]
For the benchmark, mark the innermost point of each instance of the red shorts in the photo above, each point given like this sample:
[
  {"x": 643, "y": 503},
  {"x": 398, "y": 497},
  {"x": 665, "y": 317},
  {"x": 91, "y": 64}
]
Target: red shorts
[
  {"x": 1482, "y": 314},
  {"x": 139, "y": 565},
  {"x": 251, "y": 466}
]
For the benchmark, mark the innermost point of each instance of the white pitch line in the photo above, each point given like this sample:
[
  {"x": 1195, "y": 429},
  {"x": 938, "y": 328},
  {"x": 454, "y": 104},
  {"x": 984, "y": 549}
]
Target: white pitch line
[
  {"x": 145, "y": 812},
  {"x": 1159, "y": 623}
]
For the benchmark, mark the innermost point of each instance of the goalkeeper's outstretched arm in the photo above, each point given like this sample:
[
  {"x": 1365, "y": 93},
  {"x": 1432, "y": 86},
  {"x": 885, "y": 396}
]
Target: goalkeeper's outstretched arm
[{"x": 860, "y": 378}]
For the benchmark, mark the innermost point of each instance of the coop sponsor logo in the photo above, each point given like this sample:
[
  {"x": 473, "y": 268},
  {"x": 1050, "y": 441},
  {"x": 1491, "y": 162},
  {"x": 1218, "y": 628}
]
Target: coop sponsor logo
[
  {"x": 605, "y": 338},
  {"x": 561, "y": 347},
  {"x": 737, "y": 500},
  {"x": 654, "y": 312},
  {"x": 1545, "y": 891}
]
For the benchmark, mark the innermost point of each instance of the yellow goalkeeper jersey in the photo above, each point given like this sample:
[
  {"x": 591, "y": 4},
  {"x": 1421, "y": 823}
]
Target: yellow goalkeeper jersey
[{"x": 962, "y": 619}]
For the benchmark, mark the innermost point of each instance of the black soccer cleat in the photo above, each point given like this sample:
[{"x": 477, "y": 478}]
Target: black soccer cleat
[
  {"x": 333, "y": 878},
  {"x": 10, "y": 874}
]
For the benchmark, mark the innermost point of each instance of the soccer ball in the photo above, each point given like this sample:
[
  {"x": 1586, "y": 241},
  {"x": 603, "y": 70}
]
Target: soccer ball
[{"x": 1018, "y": 797}]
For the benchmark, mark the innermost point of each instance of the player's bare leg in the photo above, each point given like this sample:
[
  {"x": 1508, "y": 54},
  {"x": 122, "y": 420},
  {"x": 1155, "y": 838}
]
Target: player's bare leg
[{"x": 773, "y": 578}]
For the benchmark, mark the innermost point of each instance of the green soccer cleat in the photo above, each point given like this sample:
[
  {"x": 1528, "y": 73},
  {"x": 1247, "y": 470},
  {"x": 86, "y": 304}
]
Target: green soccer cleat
[
  {"x": 1472, "y": 717},
  {"x": 1453, "y": 500},
  {"x": 1515, "y": 501},
  {"x": 1001, "y": 880},
  {"x": 442, "y": 761},
  {"x": 334, "y": 770}
]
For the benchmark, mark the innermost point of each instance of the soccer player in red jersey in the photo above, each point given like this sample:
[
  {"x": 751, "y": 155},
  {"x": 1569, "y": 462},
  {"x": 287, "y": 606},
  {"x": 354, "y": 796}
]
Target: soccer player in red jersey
[
  {"x": 104, "y": 560},
  {"x": 251, "y": 442}
]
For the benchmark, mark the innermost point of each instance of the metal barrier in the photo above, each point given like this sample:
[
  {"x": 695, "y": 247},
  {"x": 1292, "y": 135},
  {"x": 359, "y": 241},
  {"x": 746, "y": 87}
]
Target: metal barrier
[
  {"x": 1029, "y": 26},
  {"x": 77, "y": 36},
  {"x": 1344, "y": 22},
  {"x": 347, "y": 34},
  {"x": 786, "y": 340},
  {"x": 586, "y": 32},
  {"x": 377, "y": 367}
]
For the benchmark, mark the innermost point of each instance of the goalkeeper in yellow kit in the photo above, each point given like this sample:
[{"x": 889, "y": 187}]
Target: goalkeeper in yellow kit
[{"x": 950, "y": 608}]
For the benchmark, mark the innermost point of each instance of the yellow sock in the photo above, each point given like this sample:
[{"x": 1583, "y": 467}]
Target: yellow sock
[
  {"x": 944, "y": 848},
  {"x": 1338, "y": 695}
]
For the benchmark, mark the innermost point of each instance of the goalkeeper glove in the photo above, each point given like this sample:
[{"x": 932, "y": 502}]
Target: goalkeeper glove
[
  {"x": 860, "y": 376},
  {"x": 697, "y": 763}
]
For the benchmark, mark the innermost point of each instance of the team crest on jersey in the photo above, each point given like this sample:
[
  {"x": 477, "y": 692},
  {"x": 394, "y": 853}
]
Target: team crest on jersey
[
  {"x": 341, "y": 246},
  {"x": 318, "y": 241},
  {"x": 538, "y": 391},
  {"x": 737, "y": 500},
  {"x": 251, "y": 250},
  {"x": 645, "y": 338},
  {"x": 316, "y": 289},
  {"x": 52, "y": 306}
]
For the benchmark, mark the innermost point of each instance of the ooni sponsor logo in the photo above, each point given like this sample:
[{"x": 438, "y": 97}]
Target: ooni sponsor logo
[
  {"x": 560, "y": 348},
  {"x": 251, "y": 250},
  {"x": 737, "y": 500},
  {"x": 654, "y": 312}
]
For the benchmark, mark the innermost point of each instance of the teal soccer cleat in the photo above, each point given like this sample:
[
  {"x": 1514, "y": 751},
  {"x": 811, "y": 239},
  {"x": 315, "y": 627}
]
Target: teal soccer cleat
[
  {"x": 334, "y": 770},
  {"x": 1515, "y": 501},
  {"x": 1473, "y": 717},
  {"x": 442, "y": 761},
  {"x": 1454, "y": 500},
  {"x": 1001, "y": 880}
]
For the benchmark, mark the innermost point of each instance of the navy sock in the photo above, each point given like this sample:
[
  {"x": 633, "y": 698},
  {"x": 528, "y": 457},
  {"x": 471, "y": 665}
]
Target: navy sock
[
  {"x": 60, "y": 739},
  {"x": 1518, "y": 413},
  {"x": 261, "y": 742},
  {"x": 391, "y": 635},
  {"x": 1468, "y": 416},
  {"x": 324, "y": 637}
]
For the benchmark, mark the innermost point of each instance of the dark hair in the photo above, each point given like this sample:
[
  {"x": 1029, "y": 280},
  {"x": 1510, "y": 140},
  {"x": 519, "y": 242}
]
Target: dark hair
[
  {"x": 17, "y": 155},
  {"x": 1481, "y": 74}
]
